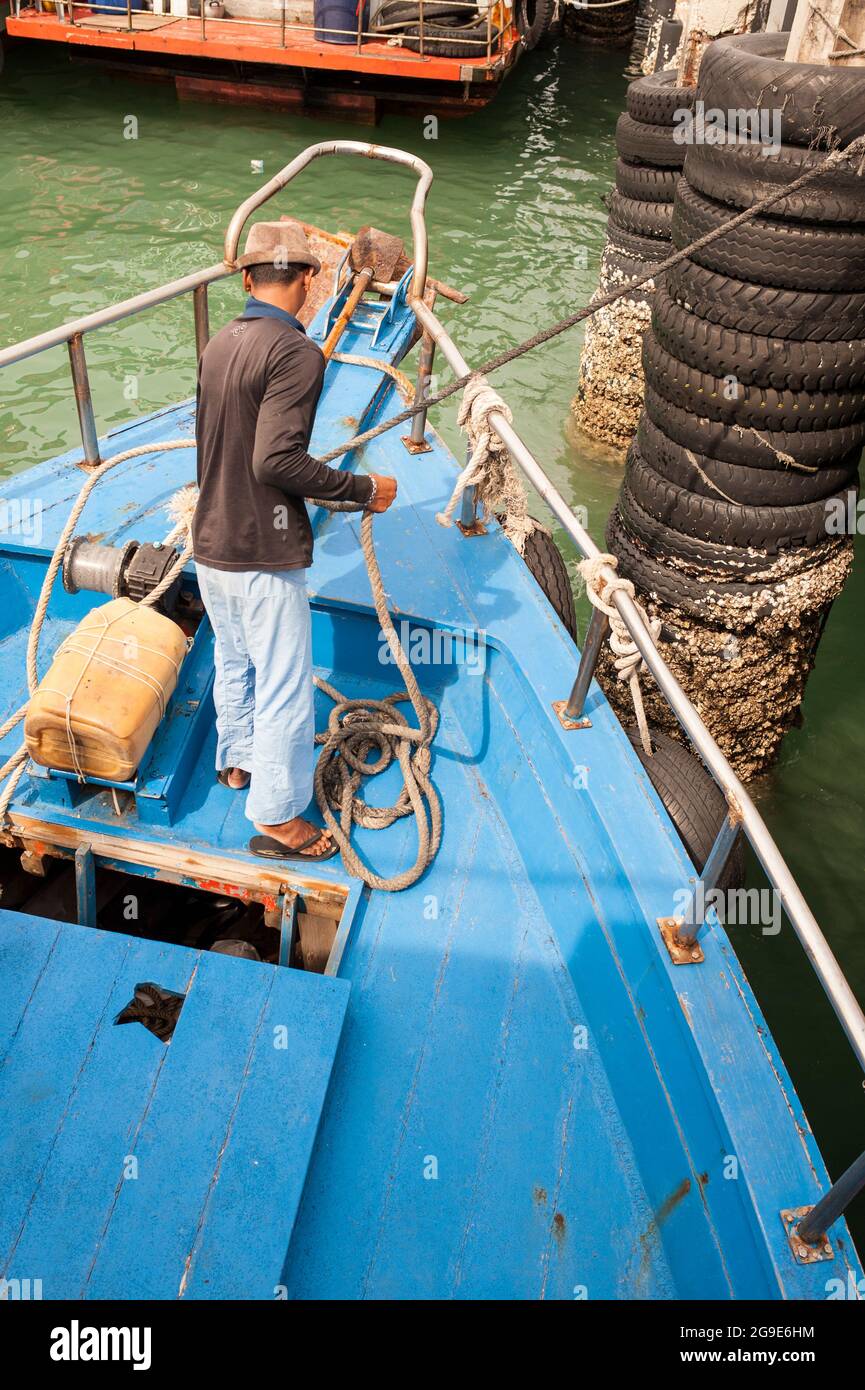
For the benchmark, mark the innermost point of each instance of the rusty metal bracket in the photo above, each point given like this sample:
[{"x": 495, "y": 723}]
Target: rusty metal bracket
[
  {"x": 805, "y": 1254},
  {"x": 474, "y": 528},
  {"x": 560, "y": 707},
  {"x": 413, "y": 448},
  {"x": 681, "y": 952}
]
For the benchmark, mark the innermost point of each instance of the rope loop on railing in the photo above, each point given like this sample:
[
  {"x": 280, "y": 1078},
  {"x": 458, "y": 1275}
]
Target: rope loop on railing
[{"x": 628, "y": 663}]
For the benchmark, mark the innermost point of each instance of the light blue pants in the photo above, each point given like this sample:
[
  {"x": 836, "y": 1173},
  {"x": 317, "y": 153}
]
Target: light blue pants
[{"x": 263, "y": 687}]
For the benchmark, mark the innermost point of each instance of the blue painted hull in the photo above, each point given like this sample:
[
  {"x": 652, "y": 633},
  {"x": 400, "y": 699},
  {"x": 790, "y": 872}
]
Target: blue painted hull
[{"x": 509, "y": 1090}]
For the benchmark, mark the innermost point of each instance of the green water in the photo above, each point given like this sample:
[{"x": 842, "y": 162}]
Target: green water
[{"x": 515, "y": 219}]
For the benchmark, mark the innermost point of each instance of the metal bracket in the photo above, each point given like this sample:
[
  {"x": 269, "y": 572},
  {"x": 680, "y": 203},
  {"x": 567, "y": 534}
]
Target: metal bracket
[
  {"x": 681, "y": 953},
  {"x": 413, "y": 448},
  {"x": 560, "y": 707},
  {"x": 805, "y": 1254},
  {"x": 474, "y": 528},
  {"x": 85, "y": 886},
  {"x": 287, "y": 926}
]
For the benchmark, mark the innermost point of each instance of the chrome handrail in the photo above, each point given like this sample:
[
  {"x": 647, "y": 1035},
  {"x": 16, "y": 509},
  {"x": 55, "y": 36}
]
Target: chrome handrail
[
  {"x": 72, "y": 333},
  {"x": 742, "y": 808},
  {"x": 484, "y": 45},
  {"x": 420, "y": 255},
  {"x": 802, "y": 919}
]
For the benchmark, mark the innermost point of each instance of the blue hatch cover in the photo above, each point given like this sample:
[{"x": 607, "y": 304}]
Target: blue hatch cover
[{"x": 136, "y": 1169}]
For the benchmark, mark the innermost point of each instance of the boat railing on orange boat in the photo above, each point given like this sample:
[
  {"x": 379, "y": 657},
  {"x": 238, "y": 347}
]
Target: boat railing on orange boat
[{"x": 483, "y": 42}]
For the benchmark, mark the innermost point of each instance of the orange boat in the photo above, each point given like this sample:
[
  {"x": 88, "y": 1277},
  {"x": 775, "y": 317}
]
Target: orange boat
[{"x": 360, "y": 58}]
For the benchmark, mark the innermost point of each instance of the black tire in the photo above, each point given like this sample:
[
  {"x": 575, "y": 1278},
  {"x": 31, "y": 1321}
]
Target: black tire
[
  {"x": 756, "y": 360},
  {"x": 742, "y": 174},
  {"x": 819, "y": 103},
  {"x": 447, "y": 41},
  {"x": 796, "y": 255},
  {"x": 648, "y": 251},
  {"x": 544, "y": 561},
  {"x": 764, "y": 309},
  {"x": 533, "y": 20},
  {"x": 400, "y": 12},
  {"x": 617, "y": 270},
  {"x": 644, "y": 183},
  {"x": 755, "y": 407},
  {"x": 677, "y": 589},
  {"x": 808, "y": 449},
  {"x": 726, "y": 563},
  {"x": 693, "y": 801},
  {"x": 654, "y": 100},
  {"x": 736, "y": 482},
  {"x": 725, "y": 523},
  {"x": 648, "y": 144},
  {"x": 653, "y": 220}
]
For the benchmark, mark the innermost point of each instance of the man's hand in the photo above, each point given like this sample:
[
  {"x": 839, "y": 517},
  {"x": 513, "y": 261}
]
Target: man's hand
[{"x": 385, "y": 492}]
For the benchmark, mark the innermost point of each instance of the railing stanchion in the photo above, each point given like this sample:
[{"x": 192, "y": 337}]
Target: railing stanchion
[
  {"x": 83, "y": 399},
  {"x": 813, "y": 1227},
  {"x": 415, "y": 441},
  {"x": 694, "y": 915},
  {"x": 202, "y": 319},
  {"x": 576, "y": 702}
]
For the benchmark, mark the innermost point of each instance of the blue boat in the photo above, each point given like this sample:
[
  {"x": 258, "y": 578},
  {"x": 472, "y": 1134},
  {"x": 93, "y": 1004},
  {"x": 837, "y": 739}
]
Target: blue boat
[{"x": 521, "y": 1077}]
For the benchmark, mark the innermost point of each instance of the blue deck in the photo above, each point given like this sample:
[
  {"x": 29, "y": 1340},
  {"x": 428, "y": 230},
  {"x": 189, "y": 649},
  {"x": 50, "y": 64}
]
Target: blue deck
[{"x": 528, "y": 1100}]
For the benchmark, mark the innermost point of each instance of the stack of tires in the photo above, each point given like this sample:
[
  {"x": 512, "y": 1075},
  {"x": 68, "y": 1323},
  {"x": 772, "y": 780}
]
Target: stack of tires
[
  {"x": 608, "y": 26},
  {"x": 734, "y": 514},
  {"x": 610, "y": 390}
]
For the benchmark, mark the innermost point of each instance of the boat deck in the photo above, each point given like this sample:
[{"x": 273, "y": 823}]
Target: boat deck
[
  {"x": 527, "y": 1099},
  {"x": 258, "y": 43}
]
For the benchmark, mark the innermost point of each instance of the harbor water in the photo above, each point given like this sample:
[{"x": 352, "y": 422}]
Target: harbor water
[{"x": 110, "y": 187}]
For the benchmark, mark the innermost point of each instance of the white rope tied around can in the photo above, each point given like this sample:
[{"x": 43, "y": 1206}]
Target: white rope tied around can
[
  {"x": 489, "y": 469},
  {"x": 14, "y": 766},
  {"x": 355, "y": 727},
  {"x": 628, "y": 662}
]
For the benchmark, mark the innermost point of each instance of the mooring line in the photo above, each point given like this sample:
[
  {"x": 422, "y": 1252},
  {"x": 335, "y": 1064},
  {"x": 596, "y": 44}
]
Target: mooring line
[{"x": 854, "y": 151}]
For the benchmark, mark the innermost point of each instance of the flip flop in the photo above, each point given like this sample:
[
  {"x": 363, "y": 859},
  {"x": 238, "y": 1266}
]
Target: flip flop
[
  {"x": 222, "y": 778},
  {"x": 268, "y": 848}
]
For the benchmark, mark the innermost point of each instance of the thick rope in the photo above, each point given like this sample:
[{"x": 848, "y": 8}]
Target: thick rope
[
  {"x": 357, "y": 728},
  {"x": 854, "y": 151},
  {"x": 404, "y": 385},
  {"x": 17, "y": 763},
  {"x": 354, "y": 728},
  {"x": 628, "y": 662},
  {"x": 498, "y": 489}
]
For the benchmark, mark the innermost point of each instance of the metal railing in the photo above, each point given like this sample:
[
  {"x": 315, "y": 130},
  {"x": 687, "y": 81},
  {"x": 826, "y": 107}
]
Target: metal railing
[
  {"x": 743, "y": 814},
  {"x": 488, "y": 44}
]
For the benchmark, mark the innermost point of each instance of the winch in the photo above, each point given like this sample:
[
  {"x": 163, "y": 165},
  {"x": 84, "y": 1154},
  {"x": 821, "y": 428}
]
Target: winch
[{"x": 131, "y": 570}]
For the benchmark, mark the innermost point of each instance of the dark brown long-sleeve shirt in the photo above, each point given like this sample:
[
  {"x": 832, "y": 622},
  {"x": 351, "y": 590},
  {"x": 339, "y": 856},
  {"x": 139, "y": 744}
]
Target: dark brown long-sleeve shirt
[{"x": 259, "y": 381}]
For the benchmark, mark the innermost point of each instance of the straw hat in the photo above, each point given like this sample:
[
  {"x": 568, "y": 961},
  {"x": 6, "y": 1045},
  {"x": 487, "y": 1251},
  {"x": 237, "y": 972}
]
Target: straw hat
[{"x": 279, "y": 244}]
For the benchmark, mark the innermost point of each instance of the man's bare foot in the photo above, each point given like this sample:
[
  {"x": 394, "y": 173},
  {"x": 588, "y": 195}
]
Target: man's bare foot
[
  {"x": 294, "y": 833},
  {"x": 235, "y": 777}
]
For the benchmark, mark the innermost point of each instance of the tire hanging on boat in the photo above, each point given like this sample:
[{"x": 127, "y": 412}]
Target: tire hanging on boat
[
  {"x": 544, "y": 562},
  {"x": 692, "y": 799}
]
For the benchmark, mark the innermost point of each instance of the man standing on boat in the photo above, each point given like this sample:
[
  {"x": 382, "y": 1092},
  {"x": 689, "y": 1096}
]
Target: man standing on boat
[{"x": 259, "y": 381}]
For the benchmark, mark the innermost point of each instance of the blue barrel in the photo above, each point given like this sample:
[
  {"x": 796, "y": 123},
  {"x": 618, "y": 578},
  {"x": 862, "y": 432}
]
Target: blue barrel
[{"x": 338, "y": 14}]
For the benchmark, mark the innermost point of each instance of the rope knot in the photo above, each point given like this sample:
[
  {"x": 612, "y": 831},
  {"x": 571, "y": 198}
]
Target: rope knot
[
  {"x": 489, "y": 470},
  {"x": 628, "y": 661}
]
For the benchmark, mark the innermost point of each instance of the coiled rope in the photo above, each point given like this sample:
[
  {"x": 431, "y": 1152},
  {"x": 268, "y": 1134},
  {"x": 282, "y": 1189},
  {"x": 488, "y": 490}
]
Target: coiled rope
[
  {"x": 355, "y": 727},
  {"x": 14, "y": 766}
]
